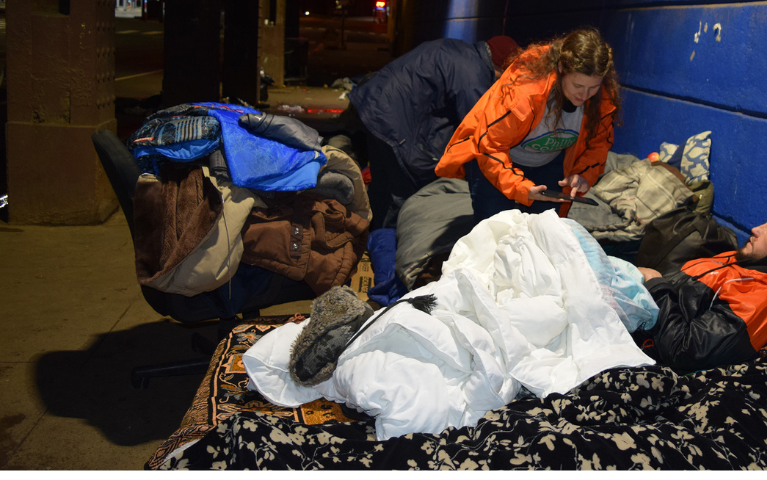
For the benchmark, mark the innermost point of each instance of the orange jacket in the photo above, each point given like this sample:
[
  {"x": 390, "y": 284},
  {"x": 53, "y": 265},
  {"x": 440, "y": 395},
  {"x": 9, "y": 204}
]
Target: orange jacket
[
  {"x": 713, "y": 311},
  {"x": 744, "y": 289},
  {"x": 502, "y": 118}
]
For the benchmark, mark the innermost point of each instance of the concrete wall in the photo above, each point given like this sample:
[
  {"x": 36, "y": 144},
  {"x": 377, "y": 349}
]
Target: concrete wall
[{"x": 685, "y": 67}]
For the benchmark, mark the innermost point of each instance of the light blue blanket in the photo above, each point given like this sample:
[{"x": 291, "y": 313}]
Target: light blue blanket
[{"x": 622, "y": 283}]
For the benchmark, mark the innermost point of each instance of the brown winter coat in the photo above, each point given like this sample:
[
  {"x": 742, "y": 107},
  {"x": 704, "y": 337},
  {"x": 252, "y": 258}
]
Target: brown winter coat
[{"x": 306, "y": 237}]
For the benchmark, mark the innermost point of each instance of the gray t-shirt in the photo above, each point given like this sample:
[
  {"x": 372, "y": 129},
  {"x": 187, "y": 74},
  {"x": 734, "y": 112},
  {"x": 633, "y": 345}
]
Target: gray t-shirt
[{"x": 544, "y": 143}]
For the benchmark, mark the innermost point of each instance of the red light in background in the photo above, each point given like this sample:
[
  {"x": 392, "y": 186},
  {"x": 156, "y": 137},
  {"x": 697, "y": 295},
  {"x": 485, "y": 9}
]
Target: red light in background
[{"x": 324, "y": 110}]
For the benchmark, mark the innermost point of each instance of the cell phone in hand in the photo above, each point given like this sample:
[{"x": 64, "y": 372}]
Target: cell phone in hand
[{"x": 565, "y": 196}]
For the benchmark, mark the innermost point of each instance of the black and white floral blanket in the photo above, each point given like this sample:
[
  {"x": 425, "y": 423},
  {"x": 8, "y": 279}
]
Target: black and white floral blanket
[{"x": 625, "y": 418}]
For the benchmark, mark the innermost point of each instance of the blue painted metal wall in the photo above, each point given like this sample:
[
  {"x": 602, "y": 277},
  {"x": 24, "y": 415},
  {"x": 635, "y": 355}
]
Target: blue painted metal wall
[
  {"x": 685, "y": 67},
  {"x": 695, "y": 68}
]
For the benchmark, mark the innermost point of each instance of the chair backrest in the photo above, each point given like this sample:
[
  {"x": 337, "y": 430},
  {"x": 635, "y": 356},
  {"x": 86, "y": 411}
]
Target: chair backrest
[{"x": 121, "y": 169}]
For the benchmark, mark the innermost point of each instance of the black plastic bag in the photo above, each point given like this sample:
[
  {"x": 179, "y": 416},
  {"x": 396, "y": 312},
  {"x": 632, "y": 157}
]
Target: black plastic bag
[{"x": 681, "y": 235}]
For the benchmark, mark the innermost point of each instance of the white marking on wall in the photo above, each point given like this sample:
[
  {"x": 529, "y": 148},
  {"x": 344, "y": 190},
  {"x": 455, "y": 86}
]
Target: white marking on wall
[
  {"x": 628, "y": 28},
  {"x": 697, "y": 35},
  {"x": 718, "y": 31},
  {"x": 692, "y": 56}
]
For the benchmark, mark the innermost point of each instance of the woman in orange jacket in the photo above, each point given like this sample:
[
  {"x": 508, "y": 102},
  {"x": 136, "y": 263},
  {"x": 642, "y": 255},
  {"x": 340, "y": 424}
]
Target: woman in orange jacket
[{"x": 547, "y": 121}]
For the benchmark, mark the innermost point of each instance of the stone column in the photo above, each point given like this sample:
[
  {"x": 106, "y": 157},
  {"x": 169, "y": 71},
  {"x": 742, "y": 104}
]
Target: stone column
[
  {"x": 240, "y": 77},
  {"x": 192, "y": 45},
  {"x": 272, "y": 33},
  {"x": 292, "y": 18},
  {"x": 60, "y": 74}
]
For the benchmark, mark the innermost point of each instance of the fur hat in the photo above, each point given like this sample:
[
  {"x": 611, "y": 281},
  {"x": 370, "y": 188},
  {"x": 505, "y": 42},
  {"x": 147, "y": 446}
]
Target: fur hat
[
  {"x": 336, "y": 320},
  {"x": 336, "y": 316},
  {"x": 501, "y": 48}
]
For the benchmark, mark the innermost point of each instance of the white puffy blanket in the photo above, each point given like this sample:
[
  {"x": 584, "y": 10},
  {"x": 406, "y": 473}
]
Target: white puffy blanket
[{"x": 518, "y": 305}]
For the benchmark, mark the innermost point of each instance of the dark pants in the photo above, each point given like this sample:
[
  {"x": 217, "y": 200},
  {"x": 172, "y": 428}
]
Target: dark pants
[
  {"x": 488, "y": 200},
  {"x": 389, "y": 185}
]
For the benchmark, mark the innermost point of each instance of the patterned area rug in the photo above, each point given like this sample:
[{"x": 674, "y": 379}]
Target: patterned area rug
[{"x": 224, "y": 392}]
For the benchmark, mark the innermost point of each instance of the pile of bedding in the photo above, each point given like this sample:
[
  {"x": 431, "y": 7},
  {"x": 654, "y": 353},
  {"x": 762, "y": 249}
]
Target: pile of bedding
[{"x": 527, "y": 304}]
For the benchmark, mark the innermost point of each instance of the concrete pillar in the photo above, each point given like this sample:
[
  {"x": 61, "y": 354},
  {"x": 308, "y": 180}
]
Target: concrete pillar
[
  {"x": 240, "y": 74},
  {"x": 403, "y": 37},
  {"x": 272, "y": 33},
  {"x": 192, "y": 45},
  {"x": 60, "y": 74},
  {"x": 292, "y": 18},
  {"x": 391, "y": 27}
]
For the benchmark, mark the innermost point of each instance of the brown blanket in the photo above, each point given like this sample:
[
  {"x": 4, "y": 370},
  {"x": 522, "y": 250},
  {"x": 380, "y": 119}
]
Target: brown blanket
[{"x": 172, "y": 218}]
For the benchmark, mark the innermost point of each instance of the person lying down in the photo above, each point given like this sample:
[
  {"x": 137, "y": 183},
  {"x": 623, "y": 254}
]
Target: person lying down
[{"x": 527, "y": 304}]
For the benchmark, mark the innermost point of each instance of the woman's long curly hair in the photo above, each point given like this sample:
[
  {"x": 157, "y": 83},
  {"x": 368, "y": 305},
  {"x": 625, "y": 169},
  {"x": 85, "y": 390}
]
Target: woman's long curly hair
[{"x": 581, "y": 51}]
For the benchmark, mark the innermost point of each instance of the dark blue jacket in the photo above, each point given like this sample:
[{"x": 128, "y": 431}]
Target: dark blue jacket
[{"x": 416, "y": 102}]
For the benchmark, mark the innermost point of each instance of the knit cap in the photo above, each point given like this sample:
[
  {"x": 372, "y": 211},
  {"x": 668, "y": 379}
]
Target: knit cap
[{"x": 501, "y": 48}]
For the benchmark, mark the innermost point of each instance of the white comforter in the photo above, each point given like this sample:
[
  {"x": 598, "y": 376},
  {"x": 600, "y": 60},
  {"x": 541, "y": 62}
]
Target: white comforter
[{"x": 518, "y": 305}]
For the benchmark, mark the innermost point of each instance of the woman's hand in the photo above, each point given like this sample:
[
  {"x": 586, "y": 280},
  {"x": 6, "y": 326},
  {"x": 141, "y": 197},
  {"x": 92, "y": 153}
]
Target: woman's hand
[
  {"x": 535, "y": 194},
  {"x": 576, "y": 184}
]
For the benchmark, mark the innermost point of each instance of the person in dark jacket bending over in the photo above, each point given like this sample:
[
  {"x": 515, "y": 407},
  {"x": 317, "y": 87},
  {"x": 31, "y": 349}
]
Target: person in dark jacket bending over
[
  {"x": 412, "y": 106},
  {"x": 713, "y": 311}
]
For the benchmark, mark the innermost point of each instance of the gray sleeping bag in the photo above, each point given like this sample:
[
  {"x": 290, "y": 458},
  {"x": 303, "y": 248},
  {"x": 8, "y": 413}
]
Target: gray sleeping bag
[{"x": 429, "y": 224}]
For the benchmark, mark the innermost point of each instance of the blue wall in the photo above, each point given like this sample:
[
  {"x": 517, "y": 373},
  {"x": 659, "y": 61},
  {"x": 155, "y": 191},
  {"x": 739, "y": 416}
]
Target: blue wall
[{"x": 685, "y": 67}]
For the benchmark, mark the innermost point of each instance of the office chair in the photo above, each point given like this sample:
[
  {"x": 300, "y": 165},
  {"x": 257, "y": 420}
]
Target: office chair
[{"x": 252, "y": 288}]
